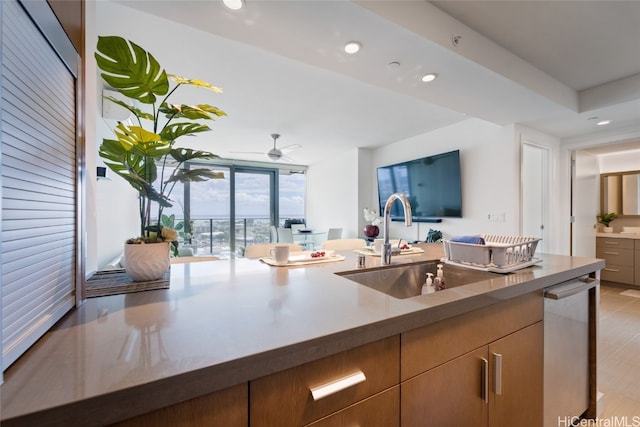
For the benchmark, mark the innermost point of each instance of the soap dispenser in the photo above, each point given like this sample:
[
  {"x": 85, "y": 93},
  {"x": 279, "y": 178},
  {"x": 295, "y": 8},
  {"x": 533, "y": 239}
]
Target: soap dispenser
[
  {"x": 428, "y": 287},
  {"x": 439, "y": 280}
]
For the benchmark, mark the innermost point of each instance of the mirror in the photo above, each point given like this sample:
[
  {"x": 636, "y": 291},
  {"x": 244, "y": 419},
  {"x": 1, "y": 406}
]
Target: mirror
[{"x": 620, "y": 193}]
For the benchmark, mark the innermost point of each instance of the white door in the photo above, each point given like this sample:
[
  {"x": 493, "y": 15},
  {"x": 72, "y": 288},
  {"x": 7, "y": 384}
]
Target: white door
[
  {"x": 535, "y": 192},
  {"x": 585, "y": 188}
]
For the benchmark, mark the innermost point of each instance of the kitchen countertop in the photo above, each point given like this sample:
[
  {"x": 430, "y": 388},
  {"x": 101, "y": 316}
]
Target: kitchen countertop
[
  {"x": 223, "y": 323},
  {"x": 619, "y": 235}
]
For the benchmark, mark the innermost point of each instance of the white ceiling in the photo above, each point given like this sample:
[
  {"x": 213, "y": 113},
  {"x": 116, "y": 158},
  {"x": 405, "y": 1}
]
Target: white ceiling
[{"x": 550, "y": 65}]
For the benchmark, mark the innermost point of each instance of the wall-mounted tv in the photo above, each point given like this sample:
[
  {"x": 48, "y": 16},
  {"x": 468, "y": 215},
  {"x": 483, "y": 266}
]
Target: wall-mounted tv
[{"x": 432, "y": 185}]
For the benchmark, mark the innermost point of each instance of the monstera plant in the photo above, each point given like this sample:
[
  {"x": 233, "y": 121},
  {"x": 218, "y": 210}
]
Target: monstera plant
[{"x": 144, "y": 150}]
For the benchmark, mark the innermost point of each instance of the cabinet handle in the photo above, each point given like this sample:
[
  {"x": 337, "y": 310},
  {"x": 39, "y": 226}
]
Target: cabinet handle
[
  {"x": 612, "y": 253},
  {"x": 485, "y": 380},
  {"x": 611, "y": 243},
  {"x": 332, "y": 387},
  {"x": 611, "y": 269},
  {"x": 497, "y": 364}
]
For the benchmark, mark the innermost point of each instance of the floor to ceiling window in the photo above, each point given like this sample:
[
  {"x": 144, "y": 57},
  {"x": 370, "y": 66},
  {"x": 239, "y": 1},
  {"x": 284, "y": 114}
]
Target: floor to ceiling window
[{"x": 225, "y": 215}]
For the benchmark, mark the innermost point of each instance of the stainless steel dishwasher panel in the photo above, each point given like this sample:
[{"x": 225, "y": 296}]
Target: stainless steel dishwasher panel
[{"x": 566, "y": 350}]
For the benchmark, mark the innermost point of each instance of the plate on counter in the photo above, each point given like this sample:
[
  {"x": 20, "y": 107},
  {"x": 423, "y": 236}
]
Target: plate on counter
[{"x": 310, "y": 256}]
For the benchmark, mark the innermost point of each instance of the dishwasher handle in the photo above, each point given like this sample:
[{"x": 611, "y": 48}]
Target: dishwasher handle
[{"x": 573, "y": 287}]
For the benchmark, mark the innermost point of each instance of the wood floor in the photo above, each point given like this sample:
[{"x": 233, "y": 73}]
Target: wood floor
[{"x": 619, "y": 355}]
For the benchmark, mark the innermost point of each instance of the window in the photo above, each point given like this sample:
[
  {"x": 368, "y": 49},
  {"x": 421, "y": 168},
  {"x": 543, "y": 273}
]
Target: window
[{"x": 227, "y": 214}]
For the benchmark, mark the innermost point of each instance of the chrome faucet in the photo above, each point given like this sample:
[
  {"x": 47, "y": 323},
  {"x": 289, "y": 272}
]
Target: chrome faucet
[{"x": 386, "y": 246}]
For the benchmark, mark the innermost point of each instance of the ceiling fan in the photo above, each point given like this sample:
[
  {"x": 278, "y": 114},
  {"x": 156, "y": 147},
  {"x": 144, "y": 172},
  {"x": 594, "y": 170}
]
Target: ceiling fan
[{"x": 275, "y": 153}]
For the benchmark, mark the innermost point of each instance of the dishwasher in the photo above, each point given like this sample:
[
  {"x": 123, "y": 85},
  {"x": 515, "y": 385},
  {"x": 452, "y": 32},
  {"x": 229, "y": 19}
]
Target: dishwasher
[{"x": 566, "y": 350}]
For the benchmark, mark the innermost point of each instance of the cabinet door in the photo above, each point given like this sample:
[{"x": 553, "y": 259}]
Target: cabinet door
[
  {"x": 637, "y": 264},
  {"x": 452, "y": 394},
  {"x": 227, "y": 407},
  {"x": 516, "y": 364}
]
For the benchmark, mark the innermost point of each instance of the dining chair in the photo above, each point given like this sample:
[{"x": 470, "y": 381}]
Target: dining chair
[
  {"x": 344, "y": 244},
  {"x": 334, "y": 233},
  {"x": 285, "y": 235},
  {"x": 260, "y": 250},
  {"x": 274, "y": 234}
]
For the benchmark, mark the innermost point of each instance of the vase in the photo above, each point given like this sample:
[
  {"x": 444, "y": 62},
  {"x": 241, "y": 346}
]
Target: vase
[
  {"x": 145, "y": 262},
  {"x": 607, "y": 229},
  {"x": 371, "y": 231}
]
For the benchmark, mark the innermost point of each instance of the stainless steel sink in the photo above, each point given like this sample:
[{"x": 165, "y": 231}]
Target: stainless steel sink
[{"x": 406, "y": 280}]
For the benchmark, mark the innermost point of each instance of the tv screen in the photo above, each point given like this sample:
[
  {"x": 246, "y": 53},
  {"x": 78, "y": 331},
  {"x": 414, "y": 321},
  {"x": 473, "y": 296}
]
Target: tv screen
[{"x": 432, "y": 185}]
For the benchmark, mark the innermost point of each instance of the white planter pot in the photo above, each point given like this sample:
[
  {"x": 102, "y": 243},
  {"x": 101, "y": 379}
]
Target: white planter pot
[
  {"x": 147, "y": 261},
  {"x": 607, "y": 229}
]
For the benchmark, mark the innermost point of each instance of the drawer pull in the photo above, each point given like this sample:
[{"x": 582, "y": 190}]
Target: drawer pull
[
  {"x": 497, "y": 360},
  {"x": 612, "y": 270},
  {"x": 612, "y": 253},
  {"x": 611, "y": 243},
  {"x": 337, "y": 385},
  {"x": 485, "y": 380}
]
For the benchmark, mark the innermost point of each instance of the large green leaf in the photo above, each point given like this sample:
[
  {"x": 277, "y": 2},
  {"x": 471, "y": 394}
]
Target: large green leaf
[
  {"x": 130, "y": 69},
  {"x": 191, "y": 112},
  {"x": 138, "y": 112},
  {"x": 141, "y": 142},
  {"x": 182, "y": 155},
  {"x": 176, "y": 130},
  {"x": 190, "y": 175},
  {"x": 194, "y": 82}
]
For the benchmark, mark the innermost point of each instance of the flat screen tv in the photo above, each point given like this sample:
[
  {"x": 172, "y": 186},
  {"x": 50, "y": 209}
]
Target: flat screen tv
[{"x": 432, "y": 185}]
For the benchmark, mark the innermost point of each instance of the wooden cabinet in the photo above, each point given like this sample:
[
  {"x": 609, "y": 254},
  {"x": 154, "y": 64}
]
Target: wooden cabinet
[
  {"x": 379, "y": 410},
  {"x": 619, "y": 256},
  {"x": 290, "y": 397},
  {"x": 227, "y": 407},
  {"x": 637, "y": 262},
  {"x": 450, "y": 395},
  {"x": 516, "y": 378},
  {"x": 480, "y": 368}
]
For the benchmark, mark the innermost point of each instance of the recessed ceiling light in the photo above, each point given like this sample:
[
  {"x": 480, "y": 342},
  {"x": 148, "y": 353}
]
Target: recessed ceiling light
[
  {"x": 604, "y": 122},
  {"x": 352, "y": 47},
  {"x": 429, "y": 77},
  {"x": 233, "y": 4}
]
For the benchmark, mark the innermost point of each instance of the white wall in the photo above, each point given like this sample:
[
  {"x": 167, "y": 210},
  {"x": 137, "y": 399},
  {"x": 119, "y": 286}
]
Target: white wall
[
  {"x": 332, "y": 194},
  {"x": 620, "y": 162},
  {"x": 490, "y": 164},
  {"x": 112, "y": 205}
]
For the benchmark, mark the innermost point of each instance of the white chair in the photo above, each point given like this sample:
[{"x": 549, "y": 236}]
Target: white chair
[
  {"x": 284, "y": 235},
  {"x": 334, "y": 233},
  {"x": 344, "y": 244},
  {"x": 274, "y": 234},
  {"x": 186, "y": 259},
  {"x": 260, "y": 250}
]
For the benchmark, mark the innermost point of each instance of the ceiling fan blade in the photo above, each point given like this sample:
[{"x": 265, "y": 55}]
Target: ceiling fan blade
[
  {"x": 290, "y": 148},
  {"x": 247, "y": 152}
]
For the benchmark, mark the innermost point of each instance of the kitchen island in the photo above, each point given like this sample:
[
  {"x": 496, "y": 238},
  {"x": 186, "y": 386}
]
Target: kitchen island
[{"x": 224, "y": 324}]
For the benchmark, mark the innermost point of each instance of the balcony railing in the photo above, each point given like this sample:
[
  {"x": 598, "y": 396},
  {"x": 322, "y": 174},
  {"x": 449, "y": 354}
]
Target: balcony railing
[{"x": 213, "y": 235}]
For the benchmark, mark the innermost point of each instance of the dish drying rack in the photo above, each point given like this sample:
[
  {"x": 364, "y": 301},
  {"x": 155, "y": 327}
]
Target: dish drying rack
[{"x": 500, "y": 254}]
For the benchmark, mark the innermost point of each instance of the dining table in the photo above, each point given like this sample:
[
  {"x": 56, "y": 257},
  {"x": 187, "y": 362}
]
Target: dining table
[{"x": 308, "y": 241}]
